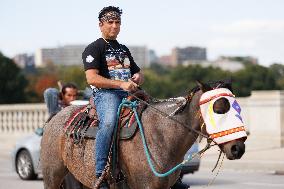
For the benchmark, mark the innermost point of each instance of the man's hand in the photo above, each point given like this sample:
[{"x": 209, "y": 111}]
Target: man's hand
[
  {"x": 129, "y": 86},
  {"x": 138, "y": 78}
]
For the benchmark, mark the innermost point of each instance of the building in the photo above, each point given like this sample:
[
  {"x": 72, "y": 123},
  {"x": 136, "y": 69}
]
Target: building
[
  {"x": 72, "y": 55},
  {"x": 66, "y": 55},
  {"x": 179, "y": 55},
  {"x": 222, "y": 63},
  {"x": 24, "y": 61},
  {"x": 165, "y": 60},
  {"x": 153, "y": 58},
  {"x": 228, "y": 64},
  {"x": 243, "y": 59},
  {"x": 140, "y": 55}
]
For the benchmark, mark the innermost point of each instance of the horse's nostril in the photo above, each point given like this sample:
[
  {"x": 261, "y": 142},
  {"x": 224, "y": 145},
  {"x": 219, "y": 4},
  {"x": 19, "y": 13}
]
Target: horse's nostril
[{"x": 235, "y": 150}]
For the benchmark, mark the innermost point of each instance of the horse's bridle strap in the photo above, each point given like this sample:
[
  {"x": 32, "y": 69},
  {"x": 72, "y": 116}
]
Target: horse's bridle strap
[
  {"x": 215, "y": 96},
  {"x": 227, "y": 132},
  {"x": 170, "y": 117}
]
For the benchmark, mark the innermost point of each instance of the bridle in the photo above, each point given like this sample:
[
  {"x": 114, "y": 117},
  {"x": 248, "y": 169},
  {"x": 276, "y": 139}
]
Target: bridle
[
  {"x": 167, "y": 116},
  {"x": 209, "y": 139},
  {"x": 201, "y": 152}
]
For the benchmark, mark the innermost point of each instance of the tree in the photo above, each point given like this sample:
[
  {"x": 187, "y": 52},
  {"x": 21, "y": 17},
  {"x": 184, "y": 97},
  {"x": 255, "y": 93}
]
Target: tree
[
  {"x": 45, "y": 82},
  {"x": 73, "y": 74},
  {"x": 12, "y": 82},
  {"x": 277, "y": 70},
  {"x": 157, "y": 85},
  {"x": 253, "y": 77}
]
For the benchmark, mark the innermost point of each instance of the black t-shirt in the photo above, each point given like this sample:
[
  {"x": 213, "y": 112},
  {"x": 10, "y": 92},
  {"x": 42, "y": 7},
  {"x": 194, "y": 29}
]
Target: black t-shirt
[{"x": 113, "y": 60}]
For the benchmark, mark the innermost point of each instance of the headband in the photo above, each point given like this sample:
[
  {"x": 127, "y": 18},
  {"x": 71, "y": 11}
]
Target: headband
[{"x": 110, "y": 16}]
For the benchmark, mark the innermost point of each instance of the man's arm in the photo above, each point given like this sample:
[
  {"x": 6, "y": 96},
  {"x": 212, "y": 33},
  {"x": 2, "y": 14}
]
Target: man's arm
[{"x": 93, "y": 78}]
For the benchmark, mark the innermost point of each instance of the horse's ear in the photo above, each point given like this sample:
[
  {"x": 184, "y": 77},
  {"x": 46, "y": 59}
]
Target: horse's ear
[
  {"x": 203, "y": 86},
  {"x": 228, "y": 84}
]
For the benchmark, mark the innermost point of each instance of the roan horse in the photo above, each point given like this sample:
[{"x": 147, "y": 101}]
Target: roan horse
[{"x": 167, "y": 140}]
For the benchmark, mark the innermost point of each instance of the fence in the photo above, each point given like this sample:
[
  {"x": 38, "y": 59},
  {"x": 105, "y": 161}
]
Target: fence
[
  {"x": 263, "y": 114},
  {"x": 22, "y": 118}
]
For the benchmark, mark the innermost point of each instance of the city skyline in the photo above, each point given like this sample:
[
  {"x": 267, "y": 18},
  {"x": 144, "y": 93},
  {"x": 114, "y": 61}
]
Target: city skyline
[{"x": 243, "y": 28}]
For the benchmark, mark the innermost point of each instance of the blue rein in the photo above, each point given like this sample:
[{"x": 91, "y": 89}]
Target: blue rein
[{"x": 133, "y": 105}]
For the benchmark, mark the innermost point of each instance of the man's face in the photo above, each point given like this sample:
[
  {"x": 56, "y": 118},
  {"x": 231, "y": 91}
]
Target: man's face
[
  {"x": 110, "y": 28},
  {"x": 70, "y": 95}
]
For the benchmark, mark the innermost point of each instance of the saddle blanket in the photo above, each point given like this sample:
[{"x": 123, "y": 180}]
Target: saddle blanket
[{"x": 83, "y": 123}]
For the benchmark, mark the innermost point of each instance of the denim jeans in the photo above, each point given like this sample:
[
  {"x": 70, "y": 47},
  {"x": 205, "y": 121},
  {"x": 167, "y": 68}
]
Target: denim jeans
[
  {"x": 107, "y": 102},
  {"x": 51, "y": 99}
]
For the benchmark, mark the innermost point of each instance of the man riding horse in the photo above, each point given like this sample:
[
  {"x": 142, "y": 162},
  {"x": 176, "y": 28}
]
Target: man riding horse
[{"x": 111, "y": 72}]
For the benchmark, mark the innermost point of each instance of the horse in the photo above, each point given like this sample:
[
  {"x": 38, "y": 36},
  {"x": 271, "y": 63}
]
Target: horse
[{"x": 167, "y": 139}]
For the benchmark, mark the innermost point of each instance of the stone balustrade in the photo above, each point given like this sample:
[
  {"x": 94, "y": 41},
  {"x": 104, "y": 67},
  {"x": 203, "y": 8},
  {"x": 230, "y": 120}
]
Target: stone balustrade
[
  {"x": 262, "y": 112},
  {"x": 22, "y": 118}
]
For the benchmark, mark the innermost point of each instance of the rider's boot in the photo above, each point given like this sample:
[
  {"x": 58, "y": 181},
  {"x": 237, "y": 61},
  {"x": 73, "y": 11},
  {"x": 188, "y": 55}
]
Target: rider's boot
[
  {"x": 180, "y": 185},
  {"x": 104, "y": 184}
]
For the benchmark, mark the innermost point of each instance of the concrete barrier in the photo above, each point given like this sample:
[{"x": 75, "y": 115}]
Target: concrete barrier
[
  {"x": 263, "y": 115},
  {"x": 22, "y": 118},
  {"x": 19, "y": 120}
]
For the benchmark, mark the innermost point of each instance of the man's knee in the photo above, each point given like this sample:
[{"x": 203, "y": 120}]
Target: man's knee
[
  {"x": 51, "y": 98},
  {"x": 108, "y": 124},
  {"x": 51, "y": 91}
]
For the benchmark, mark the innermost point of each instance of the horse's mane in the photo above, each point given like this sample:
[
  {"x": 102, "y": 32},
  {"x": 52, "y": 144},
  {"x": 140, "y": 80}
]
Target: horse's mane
[
  {"x": 187, "y": 97},
  {"x": 227, "y": 83},
  {"x": 212, "y": 84}
]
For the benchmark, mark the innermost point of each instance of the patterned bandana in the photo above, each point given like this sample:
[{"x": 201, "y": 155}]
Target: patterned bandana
[{"x": 110, "y": 16}]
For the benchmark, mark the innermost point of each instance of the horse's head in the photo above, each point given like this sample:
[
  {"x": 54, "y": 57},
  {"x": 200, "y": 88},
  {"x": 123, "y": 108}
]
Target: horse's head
[{"x": 220, "y": 113}]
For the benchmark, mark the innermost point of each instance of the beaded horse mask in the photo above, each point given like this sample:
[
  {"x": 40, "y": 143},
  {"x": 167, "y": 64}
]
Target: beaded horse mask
[{"x": 225, "y": 126}]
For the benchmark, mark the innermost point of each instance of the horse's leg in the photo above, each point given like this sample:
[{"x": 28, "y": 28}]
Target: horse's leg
[
  {"x": 163, "y": 155},
  {"x": 53, "y": 168},
  {"x": 136, "y": 167},
  {"x": 53, "y": 175}
]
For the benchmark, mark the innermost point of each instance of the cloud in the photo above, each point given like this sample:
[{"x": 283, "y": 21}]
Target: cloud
[
  {"x": 251, "y": 26},
  {"x": 230, "y": 43},
  {"x": 259, "y": 38}
]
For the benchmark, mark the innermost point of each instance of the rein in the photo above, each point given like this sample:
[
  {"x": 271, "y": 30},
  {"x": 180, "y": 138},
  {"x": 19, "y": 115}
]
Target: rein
[
  {"x": 188, "y": 99},
  {"x": 133, "y": 106},
  {"x": 189, "y": 158}
]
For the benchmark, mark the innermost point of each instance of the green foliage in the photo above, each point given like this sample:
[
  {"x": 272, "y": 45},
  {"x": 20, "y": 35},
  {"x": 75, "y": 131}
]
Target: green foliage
[
  {"x": 157, "y": 85},
  {"x": 48, "y": 76},
  {"x": 160, "y": 81},
  {"x": 277, "y": 71},
  {"x": 164, "y": 82},
  {"x": 253, "y": 77},
  {"x": 12, "y": 82},
  {"x": 177, "y": 81},
  {"x": 75, "y": 74}
]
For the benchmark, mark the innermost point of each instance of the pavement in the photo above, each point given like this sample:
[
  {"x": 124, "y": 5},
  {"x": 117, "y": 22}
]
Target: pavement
[{"x": 255, "y": 159}]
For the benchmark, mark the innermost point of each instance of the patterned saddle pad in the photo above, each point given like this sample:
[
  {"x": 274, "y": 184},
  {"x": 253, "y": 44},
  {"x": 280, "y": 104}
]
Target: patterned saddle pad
[{"x": 83, "y": 123}]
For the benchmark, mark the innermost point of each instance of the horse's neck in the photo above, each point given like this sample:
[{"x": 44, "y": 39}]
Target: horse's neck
[
  {"x": 171, "y": 135},
  {"x": 169, "y": 106}
]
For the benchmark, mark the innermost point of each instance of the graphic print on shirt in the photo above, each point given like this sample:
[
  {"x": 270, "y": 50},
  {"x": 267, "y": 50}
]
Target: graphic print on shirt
[{"x": 118, "y": 64}]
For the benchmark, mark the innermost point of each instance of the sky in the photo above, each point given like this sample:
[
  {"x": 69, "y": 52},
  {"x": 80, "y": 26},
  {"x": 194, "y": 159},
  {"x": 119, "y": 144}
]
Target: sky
[{"x": 225, "y": 27}]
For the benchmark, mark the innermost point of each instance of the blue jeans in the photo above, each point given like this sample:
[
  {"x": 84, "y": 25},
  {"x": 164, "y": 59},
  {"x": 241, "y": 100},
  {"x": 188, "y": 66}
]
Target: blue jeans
[
  {"x": 107, "y": 102},
  {"x": 51, "y": 99}
]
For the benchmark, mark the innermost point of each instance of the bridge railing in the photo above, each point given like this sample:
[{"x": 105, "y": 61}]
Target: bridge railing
[
  {"x": 22, "y": 118},
  {"x": 263, "y": 115}
]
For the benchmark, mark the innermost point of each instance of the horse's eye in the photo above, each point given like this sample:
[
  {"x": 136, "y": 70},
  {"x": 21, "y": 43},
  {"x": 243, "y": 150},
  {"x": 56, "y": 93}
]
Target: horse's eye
[{"x": 221, "y": 106}]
